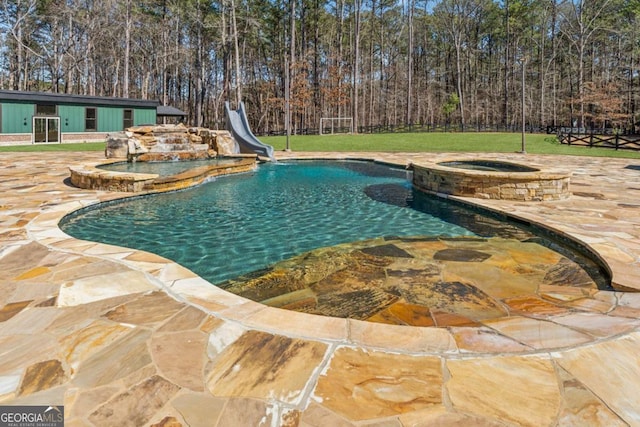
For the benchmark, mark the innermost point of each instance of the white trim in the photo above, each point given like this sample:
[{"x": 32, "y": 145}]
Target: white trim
[{"x": 33, "y": 130}]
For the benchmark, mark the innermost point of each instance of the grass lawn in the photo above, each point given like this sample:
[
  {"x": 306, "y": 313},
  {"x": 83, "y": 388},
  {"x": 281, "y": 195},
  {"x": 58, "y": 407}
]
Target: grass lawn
[
  {"x": 38, "y": 148},
  {"x": 397, "y": 142},
  {"x": 441, "y": 142}
]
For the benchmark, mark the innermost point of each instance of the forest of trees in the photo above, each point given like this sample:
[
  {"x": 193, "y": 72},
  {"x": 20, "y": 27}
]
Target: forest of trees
[{"x": 381, "y": 62}]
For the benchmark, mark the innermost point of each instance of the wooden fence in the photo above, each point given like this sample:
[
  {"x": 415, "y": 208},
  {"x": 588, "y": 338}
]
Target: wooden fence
[{"x": 617, "y": 142}]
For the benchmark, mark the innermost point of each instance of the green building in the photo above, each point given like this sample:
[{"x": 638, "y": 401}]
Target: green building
[{"x": 38, "y": 117}]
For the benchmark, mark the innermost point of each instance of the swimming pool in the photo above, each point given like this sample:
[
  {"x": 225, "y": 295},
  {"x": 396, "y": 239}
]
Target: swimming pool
[{"x": 243, "y": 223}]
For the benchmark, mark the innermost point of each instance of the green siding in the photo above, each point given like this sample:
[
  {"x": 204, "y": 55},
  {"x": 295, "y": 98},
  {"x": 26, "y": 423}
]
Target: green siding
[
  {"x": 71, "y": 118},
  {"x": 17, "y": 117},
  {"x": 110, "y": 119},
  {"x": 144, "y": 116}
]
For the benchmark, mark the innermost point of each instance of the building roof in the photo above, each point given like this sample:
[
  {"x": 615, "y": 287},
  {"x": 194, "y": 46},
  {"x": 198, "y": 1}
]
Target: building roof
[
  {"x": 168, "y": 111},
  {"x": 59, "y": 98}
]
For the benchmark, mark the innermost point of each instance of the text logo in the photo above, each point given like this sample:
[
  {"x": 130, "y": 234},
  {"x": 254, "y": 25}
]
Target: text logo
[{"x": 32, "y": 416}]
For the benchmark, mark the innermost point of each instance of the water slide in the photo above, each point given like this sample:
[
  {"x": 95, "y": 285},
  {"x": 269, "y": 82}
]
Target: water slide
[{"x": 238, "y": 125}]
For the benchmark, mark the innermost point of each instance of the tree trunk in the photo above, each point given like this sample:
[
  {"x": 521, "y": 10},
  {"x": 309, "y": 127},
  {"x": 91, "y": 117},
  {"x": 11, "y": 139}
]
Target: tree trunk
[
  {"x": 236, "y": 54},
  {"x": 409, "y": 118},
  {"x": 356, "y": 65},
  {"x": 127, "y": 49},
  {"x": 507, "y": 62}
]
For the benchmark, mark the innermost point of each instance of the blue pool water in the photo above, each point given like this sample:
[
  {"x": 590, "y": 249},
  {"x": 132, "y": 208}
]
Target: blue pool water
[
  {"x": 242, "y": 223},
  {"x": 488, "y": 166},
  {"x": 165, "y": 168}
]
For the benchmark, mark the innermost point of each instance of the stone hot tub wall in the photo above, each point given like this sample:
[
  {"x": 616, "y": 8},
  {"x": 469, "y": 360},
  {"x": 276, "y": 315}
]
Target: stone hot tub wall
[
  {"x": 540, "y": 185},
  {"x": 90, "y": 177}
]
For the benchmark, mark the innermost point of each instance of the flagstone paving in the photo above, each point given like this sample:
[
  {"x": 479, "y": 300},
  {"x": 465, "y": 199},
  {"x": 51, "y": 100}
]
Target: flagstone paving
[
  {"x": 427, "y": 281},
  {"x": 126, "y": 338}
]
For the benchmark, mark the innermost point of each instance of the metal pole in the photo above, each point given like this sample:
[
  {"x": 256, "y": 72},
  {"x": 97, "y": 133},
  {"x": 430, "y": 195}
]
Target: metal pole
[
  {"x": 287, "y": 107},
  {"x": 290, "y": 67},
  {"x": 524, "y": 61}
]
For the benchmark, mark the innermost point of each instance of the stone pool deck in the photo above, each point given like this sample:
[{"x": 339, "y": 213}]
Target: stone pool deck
[{"x": 126, "y": 338}]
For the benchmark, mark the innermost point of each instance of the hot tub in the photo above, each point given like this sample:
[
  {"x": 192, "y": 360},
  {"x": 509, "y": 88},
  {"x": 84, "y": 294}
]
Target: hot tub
[{"x": 491, "y": 179}]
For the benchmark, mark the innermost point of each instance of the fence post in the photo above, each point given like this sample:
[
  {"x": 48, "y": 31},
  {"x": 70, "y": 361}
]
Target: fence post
[
  {"x": 569, "y": 138},
  {"x": 617, "y": 140}
]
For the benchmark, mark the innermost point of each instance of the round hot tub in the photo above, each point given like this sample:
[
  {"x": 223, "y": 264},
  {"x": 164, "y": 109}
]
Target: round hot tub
[{"x": 491, "y": 179}]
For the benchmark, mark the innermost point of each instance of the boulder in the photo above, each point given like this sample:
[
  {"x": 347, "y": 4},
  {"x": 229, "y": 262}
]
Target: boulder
[
  {"x": 224, "y": 143},
  {"x": 179, "y": 128},
  {"x": 148, "y": 140},
  {"x": 135, "y": 147},
  {"x": 141, "y": 129},
  {"x": 117, "y": 146},
  {"x": 172, "y": 138},
  {"x": 208, "y": 137}
]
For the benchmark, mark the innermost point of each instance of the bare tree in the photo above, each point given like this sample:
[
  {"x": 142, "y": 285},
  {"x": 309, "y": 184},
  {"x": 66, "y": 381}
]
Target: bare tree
[
  {"x": 456, "y": 18},
  {"x": 18, "y": 17},
  {"x": 581, "y": 21}
]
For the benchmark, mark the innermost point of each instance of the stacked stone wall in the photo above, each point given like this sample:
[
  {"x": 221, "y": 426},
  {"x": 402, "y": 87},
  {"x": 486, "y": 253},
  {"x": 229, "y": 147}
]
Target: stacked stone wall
[
  {"x": 520, "y": 186},
  {"x": 91, "y": 177}
]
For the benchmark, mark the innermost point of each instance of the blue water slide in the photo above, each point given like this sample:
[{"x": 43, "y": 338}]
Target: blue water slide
[{"x": 238, "y": 125}]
